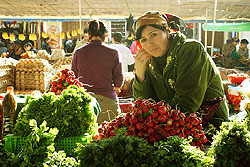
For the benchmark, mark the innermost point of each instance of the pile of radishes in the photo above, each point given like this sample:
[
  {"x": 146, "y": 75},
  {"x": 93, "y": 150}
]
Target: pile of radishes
[
  {"x": 155, "y": 122},
  {"x": 66, "y": 78}
]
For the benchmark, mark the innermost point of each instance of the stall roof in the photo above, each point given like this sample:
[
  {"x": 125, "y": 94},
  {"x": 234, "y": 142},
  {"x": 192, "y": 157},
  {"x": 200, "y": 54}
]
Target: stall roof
[{"x": 120, "y": 9}]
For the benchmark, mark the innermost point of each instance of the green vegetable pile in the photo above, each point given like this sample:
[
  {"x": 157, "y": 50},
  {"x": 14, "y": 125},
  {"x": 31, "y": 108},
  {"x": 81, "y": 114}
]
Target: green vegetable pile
[
  {"x": 36, "y": 144},
  {"x": 231, "y": 146},
  {"x": 123, "y": 151},
  {"x": 116, "y": 151},
  {"x": 178, "y": 152},
  {"x": 71, "y": 113}
]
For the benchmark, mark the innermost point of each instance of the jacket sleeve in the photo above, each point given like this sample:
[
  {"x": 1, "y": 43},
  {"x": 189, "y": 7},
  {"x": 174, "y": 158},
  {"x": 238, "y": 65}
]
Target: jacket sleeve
[
  {"x": 142, "y": 89},
  {"x": 118, "y": 78},
  {"x": 193, "y": 76}
]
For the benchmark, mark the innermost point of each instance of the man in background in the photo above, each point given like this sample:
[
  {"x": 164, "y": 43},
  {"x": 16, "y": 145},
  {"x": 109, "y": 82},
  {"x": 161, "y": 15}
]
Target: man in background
[{"x": 125, "y": 53}]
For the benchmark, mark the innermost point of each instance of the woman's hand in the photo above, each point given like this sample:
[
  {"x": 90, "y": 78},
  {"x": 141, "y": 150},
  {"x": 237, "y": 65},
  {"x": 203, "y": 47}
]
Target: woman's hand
[{"x": 141, "y": 59}]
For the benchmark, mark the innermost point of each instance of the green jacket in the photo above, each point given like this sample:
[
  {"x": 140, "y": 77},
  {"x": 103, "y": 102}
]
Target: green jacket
[{"x": 189, "y": 77}]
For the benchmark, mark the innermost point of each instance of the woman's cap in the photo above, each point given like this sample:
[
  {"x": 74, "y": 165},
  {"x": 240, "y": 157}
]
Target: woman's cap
[{"x": 151, "y": 17}]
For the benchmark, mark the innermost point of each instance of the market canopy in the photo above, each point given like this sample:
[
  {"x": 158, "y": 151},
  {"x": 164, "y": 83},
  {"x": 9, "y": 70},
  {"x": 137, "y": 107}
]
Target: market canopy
[
  {"x": 227, "y": 26},
  {"x": 69, "y": 9}
]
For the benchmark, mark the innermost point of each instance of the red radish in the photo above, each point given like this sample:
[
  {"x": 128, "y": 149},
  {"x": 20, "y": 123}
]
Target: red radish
[
  {"x": 172, "y": 132},
  {"x": 162, "y": 110},
  {"x": 176, "y": 124},
  {"x": 167, "y": 127},
  {"x": 128, "y": 115},
  {"x": 133, "y": 120},
  {"x": 155, "y": 114},
  {"x": 196, "y": 136},
  {"x": 168, "y": 107},
  {"x": 140, "y": 134},
  {"x": 139, "y": 126},
  {"x": 150, "y": 124},
  {"x": 155, "y": 107},
  {"x": 192, "y": 143},
  {"x": 199, "y": 127},
  {"x": 145, "y": 109},
  {"x": 155, "y": 121},
  {"x": 193, "y": 115},
  {"x": 195, "y": 121},
  {"x": 157, "y": 127},
  {"x": 188, "y": 119},
  {"x": 176, "y": 117},
  {"x": 145, "y": 129},
  {"x": 187, "y": 132},
  {"x": 189, "y": 125},
  {"x": 182, "y": 122},
  {"x": 169, "y": 114},
  {"x": 162, "y": 118},
  {"x": 150, "y": 130},
  {"x": 203, "y": 140},
  {"x": 198, "y": 142}
]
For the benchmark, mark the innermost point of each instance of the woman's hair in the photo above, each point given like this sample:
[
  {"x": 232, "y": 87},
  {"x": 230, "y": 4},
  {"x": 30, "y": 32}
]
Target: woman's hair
[
  {"x": 96, "y": 28},
  {"x": 139, "y": 31}
]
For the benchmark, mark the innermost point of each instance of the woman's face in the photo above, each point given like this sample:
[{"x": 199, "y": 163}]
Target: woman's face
[{"x": 154, "y": 41}]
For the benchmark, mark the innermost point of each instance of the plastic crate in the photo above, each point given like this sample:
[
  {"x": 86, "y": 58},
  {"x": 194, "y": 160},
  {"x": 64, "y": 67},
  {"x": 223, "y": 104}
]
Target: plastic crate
[{"x": 15, "y": 144}]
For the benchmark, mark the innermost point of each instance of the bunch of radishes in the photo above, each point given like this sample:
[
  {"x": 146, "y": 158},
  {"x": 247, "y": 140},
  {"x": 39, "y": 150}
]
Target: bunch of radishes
[
  {"x": 154, "y": 122},
  {"x": 66, "y": 78}
]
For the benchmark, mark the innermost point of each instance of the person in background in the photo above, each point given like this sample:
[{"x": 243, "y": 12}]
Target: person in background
[
  {"x": 231, "y": 58},
  {"x": 29, "y": 47},
  {"x": 46, "y": 45},
  {"x": 70, "y": 46},
  {"x": 177, "y": 70},
  {"x": 2, "y": 48},
  {"x": 243, "y": 50},
  {"x": 15, "y": 51},
  {"x": 99, "y": 67},
  {"x": 125, "y": 53},
  {"x": 83, "y": 41}
]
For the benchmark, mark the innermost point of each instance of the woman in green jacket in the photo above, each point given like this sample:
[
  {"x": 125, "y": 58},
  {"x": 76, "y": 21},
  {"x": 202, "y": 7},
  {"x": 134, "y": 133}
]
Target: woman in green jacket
[{"x": 172, "y": 68}]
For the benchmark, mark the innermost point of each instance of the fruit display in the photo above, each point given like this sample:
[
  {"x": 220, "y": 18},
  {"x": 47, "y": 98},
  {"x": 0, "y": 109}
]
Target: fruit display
[
  {"x": 6, "y": 74},
  {"x": 155, "y": 122},
  {"x": 57, "y": 64},
  {"x": 234, "y": 96},
  {"x": 42, "y": 54},
  {"x": 27, "y": 92},
  {"x": 237, "y": 78},
  {"x": 66, "y": 78},
  {"x": 32, "y": 74},
  {"x": 28, "y": 55}
]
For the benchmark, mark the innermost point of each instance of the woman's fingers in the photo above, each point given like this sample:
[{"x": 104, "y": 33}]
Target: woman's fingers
[{"x": 142, "y": 56}]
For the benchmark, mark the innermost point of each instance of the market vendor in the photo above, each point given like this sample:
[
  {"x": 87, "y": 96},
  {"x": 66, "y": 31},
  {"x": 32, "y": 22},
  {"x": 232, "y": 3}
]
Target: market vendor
[
  {"x": 175, "y": 69},
  {"x": 231, "y": 59}
]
